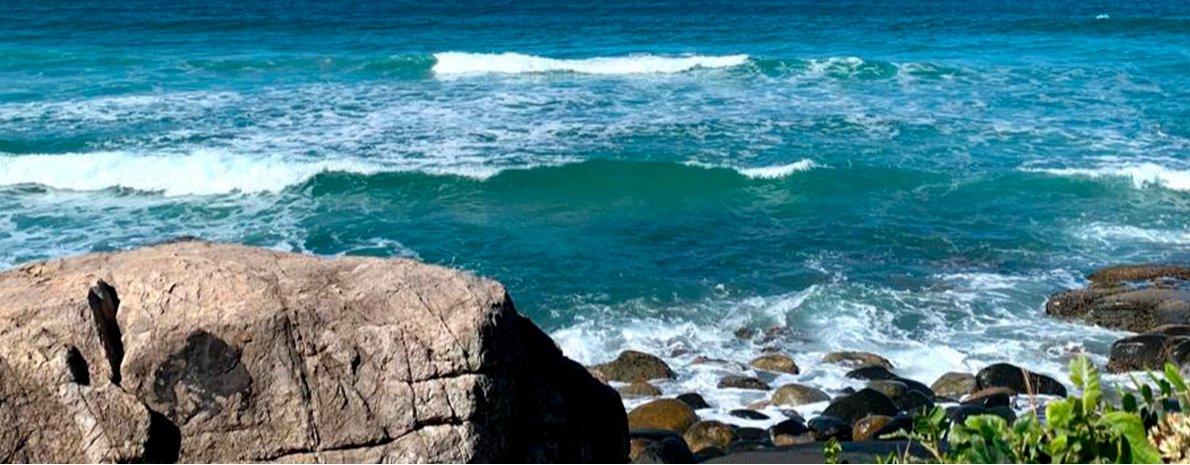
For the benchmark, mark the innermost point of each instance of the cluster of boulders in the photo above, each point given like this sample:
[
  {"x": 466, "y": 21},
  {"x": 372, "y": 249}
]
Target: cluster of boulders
[
  {"x": 1151, "y": 300},
  {"x": 669, "y": 429}
]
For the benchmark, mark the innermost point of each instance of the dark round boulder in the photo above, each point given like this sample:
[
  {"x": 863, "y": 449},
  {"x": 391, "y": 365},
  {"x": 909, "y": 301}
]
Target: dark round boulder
[
  {"x": 742, "y": 382},
  {"x": 694, "y": 400},
  {"x": 870, "y": 373},
  {"x": 632, "y": 366},
  {"x": 866, "y": 402},
  {"x": 824, "y": 428},
  {"x": 1138, "y": 353},
  {"x": 990, "y": 397},
  {"x": 748, "y": 414},
  {"x": 913, "y": 401},
  {"x": 900, "y": 422},
  {"x": 959, "y": 414},
  {"x": 790, "y": 427},
  {"x": 1013, "y": 377}
]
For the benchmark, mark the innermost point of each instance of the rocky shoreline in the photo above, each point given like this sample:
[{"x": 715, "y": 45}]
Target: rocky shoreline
[
  {"x": 199, "y": 352},
  {"x": 682, "y": 427}
]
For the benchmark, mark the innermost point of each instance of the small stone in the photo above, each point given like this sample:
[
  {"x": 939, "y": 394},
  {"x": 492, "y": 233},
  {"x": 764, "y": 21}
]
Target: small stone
[
  {"x": 790, "y": 427},
  {"x": 785, "y": 440},
  {"x": 742, "y": 382},
  {"x": 776, "y": 363},
  {"x": 745, "y": 333}
]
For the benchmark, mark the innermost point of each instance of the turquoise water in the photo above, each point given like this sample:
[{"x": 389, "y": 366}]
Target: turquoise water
[{"x": 910, "y": 177}]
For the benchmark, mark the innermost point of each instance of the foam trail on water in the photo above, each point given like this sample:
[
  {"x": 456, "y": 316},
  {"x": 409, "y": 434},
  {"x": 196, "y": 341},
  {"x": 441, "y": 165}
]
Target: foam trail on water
[
  {"x": 1142, "y": 175},
  {"x": 449, "y": 63}
]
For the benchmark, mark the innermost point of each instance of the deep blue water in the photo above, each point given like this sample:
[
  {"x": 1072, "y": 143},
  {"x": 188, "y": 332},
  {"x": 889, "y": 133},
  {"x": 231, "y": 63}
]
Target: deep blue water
[{"x": 907, "y": 177}]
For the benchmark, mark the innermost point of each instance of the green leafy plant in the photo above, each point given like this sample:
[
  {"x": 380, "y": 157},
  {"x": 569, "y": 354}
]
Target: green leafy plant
[{"x": 1083, "y": 429}]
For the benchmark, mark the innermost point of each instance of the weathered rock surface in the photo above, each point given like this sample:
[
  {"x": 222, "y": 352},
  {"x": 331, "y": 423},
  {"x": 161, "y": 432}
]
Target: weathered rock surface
[
  {"x": 707, "y": 434},
  {"x": 664, "y": 414},
  {"x": 866, "y": 402},
  {"x": 866, "y": 428},
  {"x": 852, "y": 359},
  {"x": 659, "y": 446},
  {"x": 1148, "y": 352},
  {"x": 1135, "y": 298},
  {"x": 777, "y": 363},
  {"x": 823, "y": 428},
  {"x": 634, "y": 367},
  {"x": 694, "y": 400},
  {"x": 639, "y": 389},
  {"x": 217, "y": 353},
  {"x": 1013, "y": 377},
  {"x": 742, "y": 382},
  {"x": 954, "y": 385},
  {"x": 794, "y": 395}
]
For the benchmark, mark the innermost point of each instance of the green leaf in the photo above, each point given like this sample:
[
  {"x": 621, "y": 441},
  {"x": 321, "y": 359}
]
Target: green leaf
[
  {"x": 1086, "y": 376},
  {"x": 1059, "y": 414},
  {"x": 1171, "y": 373},
  {"x": 1130, "y": 404},
  {"x": 1132, "y": 429}
]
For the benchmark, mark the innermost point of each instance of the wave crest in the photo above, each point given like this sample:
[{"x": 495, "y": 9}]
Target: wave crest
[
  {"x": 453, "y": 63},
  {"x": 1142, "y": 175}
]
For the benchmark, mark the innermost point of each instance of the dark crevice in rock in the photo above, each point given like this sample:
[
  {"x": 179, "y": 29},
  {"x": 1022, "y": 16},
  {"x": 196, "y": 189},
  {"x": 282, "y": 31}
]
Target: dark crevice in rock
[
  {"x": 80, "y": 373},
  {"x": 104, "y": 304},
  {"x": 164, "y": 443}
]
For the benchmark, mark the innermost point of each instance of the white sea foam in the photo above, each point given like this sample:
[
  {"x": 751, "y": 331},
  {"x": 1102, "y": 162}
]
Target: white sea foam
[
  {"x": 1109, "y": 234},
  {"x": 517, "y": 63},
  {"x": 202, "y": 172},
  {"x": 1142, "y": 175},
  {"x": 924, "y": 332}
]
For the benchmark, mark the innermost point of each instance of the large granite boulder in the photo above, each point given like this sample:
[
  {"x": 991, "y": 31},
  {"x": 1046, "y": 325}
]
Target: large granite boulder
[
  {"x": 1148, "y": 352},
  {"x": 199, "y": 352}
]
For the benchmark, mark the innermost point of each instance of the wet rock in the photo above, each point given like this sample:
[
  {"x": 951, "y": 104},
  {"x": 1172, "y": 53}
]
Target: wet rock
[
  {"x": 1148, "y": 352},
  {"x": 871, "y": 372},
  {"x": 639, "y": 389},
  {"x": 742, "y": 382},
  {"x": 864, "y": 403},
  {"x": 901, "y": 422},
  {"x": 823, "y": 428},
  {"x": 893, "y": 389},
  {"x": 1013, "y": 377},
  {"x": 1137, "y": 311},
  {"x": 748, "y": 433},
  {"x": 706, "y": 434},
  {"x": 990, "y": 397},
  {"x": 760, "y": 405},
  {"x": 959, "y": 414},
  {"x": 866, "y": 428},
  {"x": 790, "y": 427},
  {"x": 748, "y": 414},
  {"x": 857, "y": 360},
  {"x": 776, "y": 363},
  {"x": 954, "y": 385},
  {"x": 709, "y": 454},
  {"x": 728, "y": 364},
  {"x": 913, "y": 402},
  {"x": 667, "y": 450},
  {"x": 633, "y": 366},
  {"x": 665, "y": 414},
  {"x": 1172, "y": 330},
  {"x": 694, "y": 400},
  {"x": 795, "y": 395},
  {"x": 745, "y": 333},
  {"x": 1118, "y": 275},
  {"x": 786, "y": 440}
]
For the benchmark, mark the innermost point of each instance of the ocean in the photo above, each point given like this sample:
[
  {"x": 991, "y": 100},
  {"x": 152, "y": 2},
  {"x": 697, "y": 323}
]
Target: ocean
[{"x": 909, "y": 177}]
